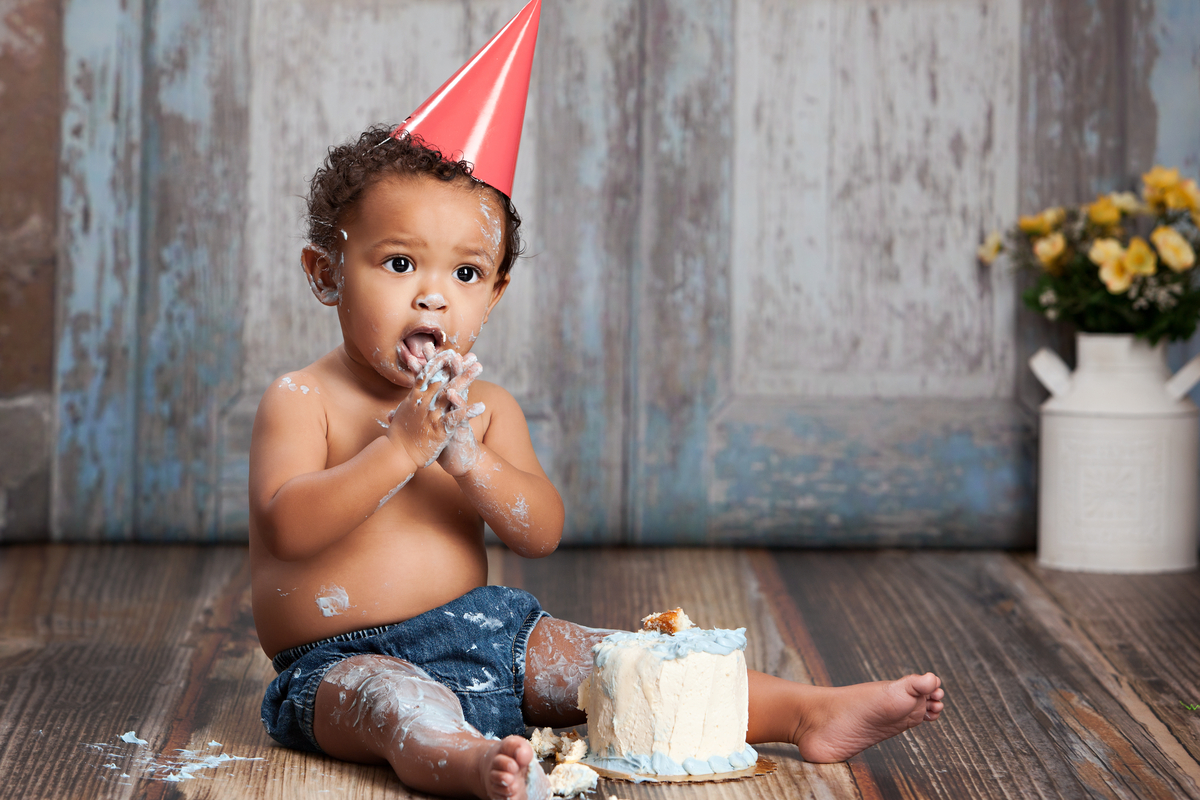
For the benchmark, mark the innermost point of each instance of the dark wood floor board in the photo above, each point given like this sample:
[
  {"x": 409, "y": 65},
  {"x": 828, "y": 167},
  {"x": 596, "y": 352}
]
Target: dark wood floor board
[
  {"x": 838, "y": 639},
  {"x": 104, "y": 650},
  {"x": 1058, "y": 683},
  {"x": 1124, "y": 687},
  {"x": 774, "y": 643},
  {"x": 1146, "y": 630},
  {"x": 1052, "y": 731},
  {"x": 1102, "y": 744},
  {"x": 1059, "y": 690}
]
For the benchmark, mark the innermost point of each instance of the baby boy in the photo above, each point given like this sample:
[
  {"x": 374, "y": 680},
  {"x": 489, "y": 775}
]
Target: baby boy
[{"x": 372, "y": 473}]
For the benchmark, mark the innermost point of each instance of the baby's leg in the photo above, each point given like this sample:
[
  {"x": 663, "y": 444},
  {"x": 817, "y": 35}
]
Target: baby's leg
[
  {"x": 830, "y": 724},
  {"x": 558, "y": 658},
  {"x": 372, "y": 708}
]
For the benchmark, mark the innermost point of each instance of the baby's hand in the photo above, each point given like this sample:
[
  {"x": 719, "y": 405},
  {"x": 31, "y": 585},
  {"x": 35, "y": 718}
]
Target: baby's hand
[
  {"x": 417, "y": 423},
  {"x": 436, "y": 406},
  {"x": 461, "y": 452}
]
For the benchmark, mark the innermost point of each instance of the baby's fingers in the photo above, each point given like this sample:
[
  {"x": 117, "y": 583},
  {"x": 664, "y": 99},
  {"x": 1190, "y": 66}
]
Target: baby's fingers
[
  {"x": 456, "y": 391},
  {"x": 436, "y": 369},
  {"x": 460, "y": 416}
]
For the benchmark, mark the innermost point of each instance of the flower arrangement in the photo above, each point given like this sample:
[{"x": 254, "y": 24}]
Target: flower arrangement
[{"x": 1121, "y": 264}]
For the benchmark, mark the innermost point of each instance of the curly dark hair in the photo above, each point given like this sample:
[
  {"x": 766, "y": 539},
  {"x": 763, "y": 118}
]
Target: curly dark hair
[{"x": 352, "y": 168}]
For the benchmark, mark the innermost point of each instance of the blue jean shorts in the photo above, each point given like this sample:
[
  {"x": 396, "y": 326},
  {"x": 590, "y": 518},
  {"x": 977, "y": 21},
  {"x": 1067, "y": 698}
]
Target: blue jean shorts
[{"x": 474, "y": 646}]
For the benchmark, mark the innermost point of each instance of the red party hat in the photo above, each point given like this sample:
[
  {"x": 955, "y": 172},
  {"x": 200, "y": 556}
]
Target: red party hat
[{"x": 477, "y": 114}]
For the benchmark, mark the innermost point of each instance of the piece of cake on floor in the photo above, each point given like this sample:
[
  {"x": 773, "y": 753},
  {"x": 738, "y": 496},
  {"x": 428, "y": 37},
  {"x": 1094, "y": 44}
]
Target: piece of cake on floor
[
  {"x": 671, "y": 701},
  {"x": 566, "y": 747}
]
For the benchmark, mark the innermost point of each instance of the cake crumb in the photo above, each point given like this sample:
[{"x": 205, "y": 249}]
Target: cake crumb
[
  {"x": 571, "y": 747},
  {"x": 568, "y": 747},
  {"x": 544, "y": 742},
  {"x": 668, "y": 622},
  {"x": 569, "y": 779}
]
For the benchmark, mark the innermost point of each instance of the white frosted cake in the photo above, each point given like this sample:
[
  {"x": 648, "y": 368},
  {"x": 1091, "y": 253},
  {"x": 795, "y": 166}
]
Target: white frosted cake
[{"x": 669, "y": 703}]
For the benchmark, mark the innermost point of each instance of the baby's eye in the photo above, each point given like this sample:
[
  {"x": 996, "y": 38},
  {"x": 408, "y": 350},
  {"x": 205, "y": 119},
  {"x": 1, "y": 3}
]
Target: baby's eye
[
  {"x": 401, "y": 264},
  {"x": 467, "y": 274}
]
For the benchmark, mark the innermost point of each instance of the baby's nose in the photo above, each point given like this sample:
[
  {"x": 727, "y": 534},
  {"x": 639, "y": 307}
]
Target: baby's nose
[{"x": 431, "y": 302}]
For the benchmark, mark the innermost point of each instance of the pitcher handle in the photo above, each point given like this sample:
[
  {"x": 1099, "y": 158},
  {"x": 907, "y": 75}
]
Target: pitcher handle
[
  {"x": 1052, "y": 371},
  {"x": 1182, "y": 382}
]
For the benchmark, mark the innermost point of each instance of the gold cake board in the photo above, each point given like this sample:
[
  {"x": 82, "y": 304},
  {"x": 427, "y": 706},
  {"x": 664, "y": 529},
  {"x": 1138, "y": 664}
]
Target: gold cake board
[{"x": 765, "y": 766}]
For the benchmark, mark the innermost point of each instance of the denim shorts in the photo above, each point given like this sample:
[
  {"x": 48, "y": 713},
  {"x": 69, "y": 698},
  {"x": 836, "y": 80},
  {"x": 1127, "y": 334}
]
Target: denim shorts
[{"x": 474, "y": 646}]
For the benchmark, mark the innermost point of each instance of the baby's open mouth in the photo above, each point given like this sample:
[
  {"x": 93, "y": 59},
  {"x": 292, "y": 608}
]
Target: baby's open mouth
[{"x": 415, "y": 341}]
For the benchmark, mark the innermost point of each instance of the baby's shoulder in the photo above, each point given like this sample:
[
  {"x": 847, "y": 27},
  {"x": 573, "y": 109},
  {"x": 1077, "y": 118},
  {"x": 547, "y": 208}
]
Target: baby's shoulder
[
  {"x": 293, "y": 398},
  {"x": 302, "y": 381},
  {"x": 303, "y": 384}
]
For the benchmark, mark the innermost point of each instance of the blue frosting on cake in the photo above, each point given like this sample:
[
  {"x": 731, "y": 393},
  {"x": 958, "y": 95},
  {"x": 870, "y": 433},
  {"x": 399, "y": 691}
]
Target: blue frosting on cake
[
  {"x": 668, "y": 647},
  {"x": 662, "y": 764}
]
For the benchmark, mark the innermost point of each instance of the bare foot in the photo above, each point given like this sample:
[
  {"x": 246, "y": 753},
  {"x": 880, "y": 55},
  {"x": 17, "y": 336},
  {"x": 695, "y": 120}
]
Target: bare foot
[
  {"x": 505, "y": 769},
  {"x": 843, "y": 721}
]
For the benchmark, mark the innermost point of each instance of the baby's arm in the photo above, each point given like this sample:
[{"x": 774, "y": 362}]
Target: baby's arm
[
  {"x": 300, "y": 507},
  {"x": 502, "y": 477}
]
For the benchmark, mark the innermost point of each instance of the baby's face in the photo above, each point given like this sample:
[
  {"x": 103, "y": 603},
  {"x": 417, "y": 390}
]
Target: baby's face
[{"x": 421, "y": 261}]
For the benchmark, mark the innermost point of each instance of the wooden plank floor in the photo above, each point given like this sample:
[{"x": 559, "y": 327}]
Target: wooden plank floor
[{"x": 1060, "y": 685}]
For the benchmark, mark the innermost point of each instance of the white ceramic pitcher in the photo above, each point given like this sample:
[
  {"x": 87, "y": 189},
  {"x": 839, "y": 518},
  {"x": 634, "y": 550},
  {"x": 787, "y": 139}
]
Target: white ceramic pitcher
[{"x": 1118, "y": 465}]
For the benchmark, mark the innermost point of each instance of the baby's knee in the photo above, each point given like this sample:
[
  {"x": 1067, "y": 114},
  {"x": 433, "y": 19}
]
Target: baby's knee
[
  {"x": 558, "y": 659},
  {"x": 395, "y": 697}
]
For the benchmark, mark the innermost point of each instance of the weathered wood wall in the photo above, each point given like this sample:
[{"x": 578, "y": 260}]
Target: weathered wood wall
[
  {"x": 30, "y": 78},
  {"x": 753, "y": 311}
]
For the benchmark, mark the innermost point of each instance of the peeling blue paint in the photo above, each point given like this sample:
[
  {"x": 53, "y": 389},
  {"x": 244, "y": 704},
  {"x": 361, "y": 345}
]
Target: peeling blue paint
[
  {"x": 874, "y": 472},
  {"x": 150, "y": 348},
  {"x": 99, "y": 225}
]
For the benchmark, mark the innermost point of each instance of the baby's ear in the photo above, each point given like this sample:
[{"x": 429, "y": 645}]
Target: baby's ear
[{"x": 322, "y": 273}]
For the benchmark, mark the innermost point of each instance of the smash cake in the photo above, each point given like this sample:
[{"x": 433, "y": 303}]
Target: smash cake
[{"x": 669, "y": 701}]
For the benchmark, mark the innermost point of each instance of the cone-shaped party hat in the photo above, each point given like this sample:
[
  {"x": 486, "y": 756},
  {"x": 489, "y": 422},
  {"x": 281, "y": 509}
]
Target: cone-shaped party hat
[{"x": 477, "y": 114}]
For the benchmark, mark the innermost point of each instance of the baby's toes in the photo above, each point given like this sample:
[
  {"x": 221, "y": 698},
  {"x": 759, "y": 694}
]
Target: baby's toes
[
  {"x": 518, "y": 750},
  {"x": 502, "y": 778},
  {"x": 925, "y": 684}
]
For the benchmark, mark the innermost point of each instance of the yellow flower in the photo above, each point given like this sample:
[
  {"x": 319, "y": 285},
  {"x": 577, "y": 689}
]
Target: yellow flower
[
  {"x": 1049, "y": 249},
  {"x": 1161, "y": 188},
  {"x": 1114, "y": 264},
  {"x": 1041, "y": 224},
  {"x": 990, "y": 248},
  {"x": 1174, "y": 250},
  {"x": 1139, "y": 258},
  {"x": 1127, "y": 202},
  {"x": 1105, "y": 250},
  {"x": 1116, "y": 276},
  {"x": 1192, "y": 193},
  {"x": 1182, "y": 196},
  {"x": 1104, "y": 212},
  {"x": 1160, "y": 178}
]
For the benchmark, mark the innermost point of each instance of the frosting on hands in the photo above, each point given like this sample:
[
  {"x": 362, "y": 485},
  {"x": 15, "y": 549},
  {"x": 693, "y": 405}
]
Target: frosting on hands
[
  {"x": 461, "y": 452},
  {"x": 434, "y": 420}
]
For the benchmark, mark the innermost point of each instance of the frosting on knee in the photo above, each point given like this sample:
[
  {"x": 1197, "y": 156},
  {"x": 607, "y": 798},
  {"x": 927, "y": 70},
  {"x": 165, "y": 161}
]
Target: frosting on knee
[
  {"x": 557, "y": 662},
  {"x": 397, "y": 700}
]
